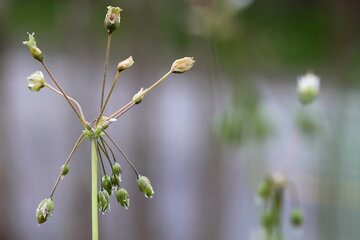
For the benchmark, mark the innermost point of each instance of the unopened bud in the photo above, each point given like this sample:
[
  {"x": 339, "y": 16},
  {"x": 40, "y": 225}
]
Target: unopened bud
[
  {"x": 122, "y": 197},
  {"x": 103, "y": 200},
  {"x": 106, "y": 183},
  {"x": 296, "y": 217},
  {"x": 308, "y": 88},
  {"x": 34, "y": 50},
  {"x": 182, "y": 65},
  {"x": 116, "y": 168},
  {"x": 138, "y": 97},
  {"x": 125, "y": 64},
  {"x": 36, "y": 81},
  {"x": 44, "y": 210},
  {"x": 65, "y": 170},
  {"x": 144, "y": 185},
  {"x": 112, "y": 18}
]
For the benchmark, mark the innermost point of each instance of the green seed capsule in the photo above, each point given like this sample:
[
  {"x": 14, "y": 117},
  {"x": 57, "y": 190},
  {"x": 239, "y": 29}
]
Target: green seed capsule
[
  {"x": 115, "y": 181},
  {"x": 122, "y": 197},
  {"x": 144, "y": 185},
  {"x": 267, "y": 220},
  {"x": 265, "y": 188},
  {"x": 296, "y": 217},
  {"x": 106, "y": 183},
  {"x": 44, "y": 210},
  {"x": 116, "y": 168},
  {"x": 103, "y": 200},
  {"x": 65, "y": 170}
]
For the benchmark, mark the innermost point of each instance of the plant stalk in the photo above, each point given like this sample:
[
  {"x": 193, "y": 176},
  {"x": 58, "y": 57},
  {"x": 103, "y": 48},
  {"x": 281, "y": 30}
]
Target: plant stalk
[{"x": 94, "y": 190}]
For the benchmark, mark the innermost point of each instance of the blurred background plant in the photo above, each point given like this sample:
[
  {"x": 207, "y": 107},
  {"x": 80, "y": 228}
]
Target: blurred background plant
[{"x": 248, "y": 61}]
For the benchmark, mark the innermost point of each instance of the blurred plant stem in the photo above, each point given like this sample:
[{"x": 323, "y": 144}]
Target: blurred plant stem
[{"x": 94, "y": 190}]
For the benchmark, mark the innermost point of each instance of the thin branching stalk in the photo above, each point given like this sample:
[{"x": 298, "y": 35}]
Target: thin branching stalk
[
  {"x": 132, "y": 102},
  {"x": 157, "y": 83},
  {"x": 72, "y": 99},
  {"x": 77, "y": 144},
  {"x": 94, "y": 191},
  {"x": 100, "y": 158},
  {"x": 105, "y": 153},
  {"x": 123, "y": 154},
  {"x": 108, "y": 96},
  {"x": 105, "y": 68},
  {"x": 111, "y": 151},
  {"x": 63, "y": 93},
  {"x": 118, "y": 113}
]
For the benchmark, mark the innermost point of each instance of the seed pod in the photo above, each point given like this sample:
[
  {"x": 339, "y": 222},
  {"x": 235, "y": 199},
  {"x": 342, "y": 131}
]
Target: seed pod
[
  {"x": 112, "y": 18},
  {"x": 116, "y": 168},
  {"x": 296, "y": 217},
  {"x": 267, "y": 220},
  {"x": 182, "y": 65},
  {"x": 34, "y": 50},
  {"x": 106, "y": 183},
  {"x": 44, "y": 210},
  {"x": 122, "y": 197},
  {"x": 115, "y": 181},
  {"x": 265, "y": 188},
  {"x": 103, "y": 200},
  {"x": 65, "y": 170},
  {"x": 144, "y": 185}
]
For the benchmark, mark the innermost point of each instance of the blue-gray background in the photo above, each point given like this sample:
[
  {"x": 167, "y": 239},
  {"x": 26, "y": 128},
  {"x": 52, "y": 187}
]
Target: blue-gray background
[{"x": 205, "y": 138}]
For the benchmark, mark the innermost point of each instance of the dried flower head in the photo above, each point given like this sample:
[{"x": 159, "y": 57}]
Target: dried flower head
[
  {"x": 36, "y": 81},
  {"x": 125, "y": 64},
  {"x": 34, "y": 50},
  {"x": 308, "y": 88},
  {"x": 182, "y": 65},
  {"x": 112, "y": 18}
]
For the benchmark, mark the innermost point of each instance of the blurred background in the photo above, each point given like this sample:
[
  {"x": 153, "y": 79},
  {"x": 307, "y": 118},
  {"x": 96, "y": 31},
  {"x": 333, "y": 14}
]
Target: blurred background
[{"x": 206, "y": 138}]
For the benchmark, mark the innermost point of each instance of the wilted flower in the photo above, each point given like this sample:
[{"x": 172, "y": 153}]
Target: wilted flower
[
  {"x": 144, "y": 185},
  {"x": 112, "y": 18},
  {"x": 34, "y": 50},
  {"x": 44, "y": 210},
  {"x": 125, "y": 64},
  {"x": 138, "y": 97},
  {"x": 122, "y": 197},
  {"x": 103, "y": 200},
  {"x": 182, "y": 65},
  {"x": 36, "y": 81},
  {"x": 308, "y": 88}
]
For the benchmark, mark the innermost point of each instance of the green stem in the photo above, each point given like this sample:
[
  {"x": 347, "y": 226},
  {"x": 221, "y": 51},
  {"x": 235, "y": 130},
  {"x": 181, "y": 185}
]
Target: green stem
[{"x": 94, "y": 190}]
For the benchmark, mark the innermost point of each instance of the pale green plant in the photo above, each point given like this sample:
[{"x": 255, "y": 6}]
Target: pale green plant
[{"x": 95, "y": 130}]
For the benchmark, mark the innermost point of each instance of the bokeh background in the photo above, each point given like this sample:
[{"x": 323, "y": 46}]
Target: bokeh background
[{"x": 205, "y": 138}]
